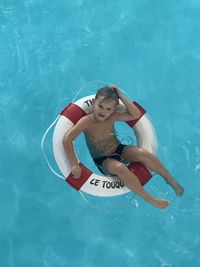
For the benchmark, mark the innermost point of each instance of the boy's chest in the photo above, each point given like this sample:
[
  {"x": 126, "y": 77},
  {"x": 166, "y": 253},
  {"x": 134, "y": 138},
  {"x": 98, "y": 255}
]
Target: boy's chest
[{"x": 100, "y": 129}]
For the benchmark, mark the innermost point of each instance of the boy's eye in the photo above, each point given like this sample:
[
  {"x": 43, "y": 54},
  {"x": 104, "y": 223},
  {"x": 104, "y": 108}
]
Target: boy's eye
[{"x": 100, "y": 106}]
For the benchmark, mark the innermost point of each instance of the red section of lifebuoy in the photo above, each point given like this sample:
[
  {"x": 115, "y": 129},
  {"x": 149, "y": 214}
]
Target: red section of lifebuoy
[
  {"x": 73, "y": 113},
  {"x": 142, "y": 110},
  {"x": 140, "y": 171},
  {"x": 79, "y": 182}
]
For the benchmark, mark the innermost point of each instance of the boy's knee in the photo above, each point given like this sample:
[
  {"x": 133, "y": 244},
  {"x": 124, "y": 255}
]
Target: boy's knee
[
  {"x": 141, "y": 154},
  {"x": 119, "y": 168},
  {"x": 112, "y": 166}
]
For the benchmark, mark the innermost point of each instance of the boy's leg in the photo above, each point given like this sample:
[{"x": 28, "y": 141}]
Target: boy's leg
[
  {"x": 117, "y": 168},
  {"x": 137, "y": 154}
]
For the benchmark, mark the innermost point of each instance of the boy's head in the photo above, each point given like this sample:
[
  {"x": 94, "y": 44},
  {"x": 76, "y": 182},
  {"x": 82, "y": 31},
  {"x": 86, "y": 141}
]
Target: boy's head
[
  {"x": 108, "y": 94},
  {"x": 106, "y": 101}
]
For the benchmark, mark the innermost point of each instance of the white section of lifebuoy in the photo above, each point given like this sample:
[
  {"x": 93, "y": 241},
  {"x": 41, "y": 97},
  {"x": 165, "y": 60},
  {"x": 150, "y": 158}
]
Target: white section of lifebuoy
[
  {"x": 145, "y": 134},
  {"x": 100, "y": 185}
]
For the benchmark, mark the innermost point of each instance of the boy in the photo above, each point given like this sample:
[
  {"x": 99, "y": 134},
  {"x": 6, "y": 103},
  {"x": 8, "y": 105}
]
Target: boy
[{"x": 106, "y": 150}]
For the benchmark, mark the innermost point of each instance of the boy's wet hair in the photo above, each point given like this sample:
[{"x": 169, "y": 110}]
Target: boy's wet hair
[{"x": 108, "y": 93}]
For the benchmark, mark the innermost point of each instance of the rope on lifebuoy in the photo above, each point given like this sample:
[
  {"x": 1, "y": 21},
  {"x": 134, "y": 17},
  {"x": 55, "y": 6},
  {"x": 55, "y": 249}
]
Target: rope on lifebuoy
[{"x": 42, "y": 148}]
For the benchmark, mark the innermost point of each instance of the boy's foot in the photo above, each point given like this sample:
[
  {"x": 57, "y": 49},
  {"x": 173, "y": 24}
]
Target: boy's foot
[
  {"x": 162, "y": 203},
  {"x": 179, "y": 190}
]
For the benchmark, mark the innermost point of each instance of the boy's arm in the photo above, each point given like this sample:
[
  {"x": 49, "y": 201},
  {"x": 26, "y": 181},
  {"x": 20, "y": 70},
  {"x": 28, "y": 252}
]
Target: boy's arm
[
  {"x": 70, "y": 135},
  {"x": 131, "y": 112}
]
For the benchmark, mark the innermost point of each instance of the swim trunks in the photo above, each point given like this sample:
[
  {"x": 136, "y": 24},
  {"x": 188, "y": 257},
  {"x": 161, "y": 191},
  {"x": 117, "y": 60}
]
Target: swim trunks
[{"x": 115, "y": 155}]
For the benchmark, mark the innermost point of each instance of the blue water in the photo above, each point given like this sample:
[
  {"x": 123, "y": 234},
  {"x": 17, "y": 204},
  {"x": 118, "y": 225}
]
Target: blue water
[{"x": 49, "y": 49}]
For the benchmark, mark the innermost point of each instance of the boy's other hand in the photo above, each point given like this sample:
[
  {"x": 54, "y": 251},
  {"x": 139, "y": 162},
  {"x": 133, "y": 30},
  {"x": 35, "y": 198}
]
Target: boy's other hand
[{"x": 76, "y": 171}]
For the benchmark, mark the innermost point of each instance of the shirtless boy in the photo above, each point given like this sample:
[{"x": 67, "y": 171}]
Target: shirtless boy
[{"x": 106, "y": 150}]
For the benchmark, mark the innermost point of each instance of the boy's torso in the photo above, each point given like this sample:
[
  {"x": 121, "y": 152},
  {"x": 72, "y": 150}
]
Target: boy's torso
[{"x": 101, "y": 137}]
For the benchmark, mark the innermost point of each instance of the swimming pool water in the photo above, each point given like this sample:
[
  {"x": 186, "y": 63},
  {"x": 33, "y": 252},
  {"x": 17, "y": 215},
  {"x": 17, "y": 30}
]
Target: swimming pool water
[{"x": 49, "y": 50}]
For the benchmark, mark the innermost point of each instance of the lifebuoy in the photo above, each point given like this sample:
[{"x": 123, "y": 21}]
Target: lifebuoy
[{"x": 90, "y": 182}]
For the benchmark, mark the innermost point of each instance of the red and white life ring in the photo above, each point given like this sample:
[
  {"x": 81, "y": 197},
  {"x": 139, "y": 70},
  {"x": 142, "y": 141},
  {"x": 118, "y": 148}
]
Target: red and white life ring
[{"x": 90, "y": 182}]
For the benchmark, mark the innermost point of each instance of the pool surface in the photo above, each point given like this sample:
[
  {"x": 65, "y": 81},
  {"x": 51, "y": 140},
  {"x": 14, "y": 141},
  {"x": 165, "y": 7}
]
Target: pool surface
[{"x": 51, "y": 49}]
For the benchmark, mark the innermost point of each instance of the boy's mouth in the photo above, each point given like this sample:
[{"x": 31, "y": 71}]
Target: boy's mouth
[{"x": 100, "y": 115}]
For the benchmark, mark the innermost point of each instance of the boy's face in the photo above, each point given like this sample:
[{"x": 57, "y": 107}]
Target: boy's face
[{"x": 103, "y": 108}]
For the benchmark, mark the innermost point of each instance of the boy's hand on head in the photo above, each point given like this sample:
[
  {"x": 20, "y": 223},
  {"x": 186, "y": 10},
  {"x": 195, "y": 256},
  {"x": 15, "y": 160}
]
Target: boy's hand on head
[
  {"x": 117, "y": 90},
  {"x": 76, "y": 171}
]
